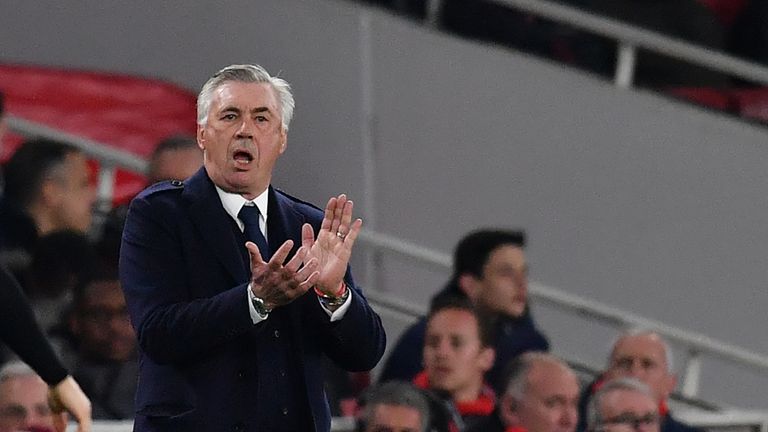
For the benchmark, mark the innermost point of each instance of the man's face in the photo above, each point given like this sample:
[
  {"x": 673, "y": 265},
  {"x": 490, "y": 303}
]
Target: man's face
[
  {"x": 176, "y": 164},
  {"x": 73, "y": 194},
  {"x": 454, "y": 359},
  {"x": 550, "y": 403},
  {"x": 503, "y": 286},
  {"x": 628, "y": 411},
  {"x": 24, "y": 404},
  {"x": 101, "y": 323},
  {"x": 642, "y": 357},
  {"x": 394, "y": 418},
  {"x": 242, "y": 137}
]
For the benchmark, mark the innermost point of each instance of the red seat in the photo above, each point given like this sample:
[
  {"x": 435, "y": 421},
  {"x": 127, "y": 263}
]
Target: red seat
[
  {"x": 127, "y": 112},
  {"x": 721, "y": 100},
  {"x": 725, "y": 10},
  {"x": 752, "y": 103}
]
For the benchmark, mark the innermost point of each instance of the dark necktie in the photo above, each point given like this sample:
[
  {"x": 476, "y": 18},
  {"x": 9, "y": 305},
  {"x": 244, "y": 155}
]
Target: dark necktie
[{"x": 250, "y": 217}]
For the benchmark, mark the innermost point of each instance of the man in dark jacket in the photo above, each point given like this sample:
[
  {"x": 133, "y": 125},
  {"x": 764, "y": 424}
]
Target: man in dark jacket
[{"x": 490, "y": 269}]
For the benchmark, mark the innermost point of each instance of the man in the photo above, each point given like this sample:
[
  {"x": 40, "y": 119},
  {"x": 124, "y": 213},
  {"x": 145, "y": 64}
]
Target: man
[
  {"x": 47, "y": 189},
  {"x": 645, "y": 356},
  {"x": 174, "y": 158},
  {"x": 490, "y": 269},
  {"x": 104, "y": 362},
  {"x": 395, "y": 407},
  {"x": 23, "y": 399},
  {"x": 232, "y": 338},
  {"x": 623, "y": 404},
  {"x": 457, "y": 354},
  {"x": 541, "y": 395}
]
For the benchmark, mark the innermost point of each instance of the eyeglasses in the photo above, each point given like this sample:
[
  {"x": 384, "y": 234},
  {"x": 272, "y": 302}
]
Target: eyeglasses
[{"x": 631, "y": 420}]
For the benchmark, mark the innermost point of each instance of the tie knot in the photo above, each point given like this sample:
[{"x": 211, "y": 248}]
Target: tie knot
[{"x": 249, "y": 215}]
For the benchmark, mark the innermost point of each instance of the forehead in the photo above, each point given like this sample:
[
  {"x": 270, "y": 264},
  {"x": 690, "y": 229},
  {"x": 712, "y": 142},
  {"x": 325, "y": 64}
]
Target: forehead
[
  {"x": 453, "y": 321},
  {"x": 245, "y": 96},
  {"x": 26, "y": 390},
  {"x": 548, "y": 379},
  {"x": 621, "y": 401},
  {"x": 506, "y": 255},
  {"x": 397, "y": 416},
  {"x": 645, "y": 346}
]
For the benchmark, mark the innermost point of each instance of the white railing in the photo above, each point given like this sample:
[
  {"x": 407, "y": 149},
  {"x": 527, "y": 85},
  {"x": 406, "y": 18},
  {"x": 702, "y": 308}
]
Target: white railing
[{"x": 630, "y": 38}]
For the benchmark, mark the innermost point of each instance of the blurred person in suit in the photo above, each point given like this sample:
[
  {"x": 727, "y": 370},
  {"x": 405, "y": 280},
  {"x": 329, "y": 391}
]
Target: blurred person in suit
[
  {"x": 621, "y": 405},
  {"x": 235, "y": 289}
]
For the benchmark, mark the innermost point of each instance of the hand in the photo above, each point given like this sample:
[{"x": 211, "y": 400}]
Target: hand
[
  {"x": 67, "y": 396},
  {"x": 333, "y": 246},
  {"x": 277, "y": 283}
]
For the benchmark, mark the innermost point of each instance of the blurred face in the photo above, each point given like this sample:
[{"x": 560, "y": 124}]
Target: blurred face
[
  {"x": 177, "y": 164},
  {"x": 394, "y": 418},
  {"x": 628, "y": 411},
  {"x": 503, "y": 287},
  {"x": 643, "y": 357},
  {"x": 72, "y": 195},
  {"x": 101, "y": 324},
  {"x": 454, "y": 359},
  {"x": 550, "y": 403},
  {"x": 242, "y": 137},
  {"x": 24, "y": 404}
]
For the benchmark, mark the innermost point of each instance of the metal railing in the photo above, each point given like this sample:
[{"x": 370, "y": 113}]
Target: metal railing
[{"x": 629, "y": 39}]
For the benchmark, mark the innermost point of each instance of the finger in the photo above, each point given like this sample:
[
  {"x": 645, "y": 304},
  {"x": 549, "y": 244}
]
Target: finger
[
  {"x": 328, "y": 216},
  {"x": 280, "y": 255},
  {"x": 59, "y": 422},
  {"x": 253, "y": 251},
  {"x": 307, "y": 236},
  {"x": 309, "y": 282},
  {"x": 346, "y": 218},
  {"x": 337, "y": 211},
  {"x": 349, "y": 241},
  {"x": 309, "y": 268},
  {"x": 298, "y": 258}
]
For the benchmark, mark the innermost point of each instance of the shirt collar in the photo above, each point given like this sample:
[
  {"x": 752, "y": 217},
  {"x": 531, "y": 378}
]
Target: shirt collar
[{"x": 232, "y": 204}]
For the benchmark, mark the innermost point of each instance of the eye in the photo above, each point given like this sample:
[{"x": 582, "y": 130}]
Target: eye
[
  {"x": 228, "y": 116},
  {"x": 261, "y": 119}
]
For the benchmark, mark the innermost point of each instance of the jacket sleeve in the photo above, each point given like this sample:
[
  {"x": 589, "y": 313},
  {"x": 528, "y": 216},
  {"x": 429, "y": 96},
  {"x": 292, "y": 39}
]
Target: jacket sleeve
[{"x": 172, "y": 324}]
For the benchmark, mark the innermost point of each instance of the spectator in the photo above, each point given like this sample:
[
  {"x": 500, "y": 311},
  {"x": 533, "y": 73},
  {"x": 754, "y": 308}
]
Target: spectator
[
  {"x": 52, "y": 275},
  {"x": 457, "y": 353},
  {"x": 645, "y": 356},
  {"x": 47, "y": 189},
  {"x": 542, "y": 395},
  {"x": 105, "y": 360},
  {"x": 490, "y": 269},
  {"x": 623, "y": 404},
  {"x": 174, "y": 158},
  {"x": 395, "y": 407},
  {"x": 23, "y": 399}
]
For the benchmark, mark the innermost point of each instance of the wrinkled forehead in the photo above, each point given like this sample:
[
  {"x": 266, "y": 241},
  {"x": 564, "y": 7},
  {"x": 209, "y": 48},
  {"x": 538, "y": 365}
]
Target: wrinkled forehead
[{"x": 244, "y": 95}]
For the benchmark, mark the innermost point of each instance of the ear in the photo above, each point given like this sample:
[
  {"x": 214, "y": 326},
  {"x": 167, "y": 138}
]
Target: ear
[
  {"x": 470, "y": 285},
  {"x": 283, "y": 139},
  {"x": 670, "y": 382},
  {"x": 509, "y": 410},
  {"x": 486, "y": 358},
  {"x": 201, "y": 137}
]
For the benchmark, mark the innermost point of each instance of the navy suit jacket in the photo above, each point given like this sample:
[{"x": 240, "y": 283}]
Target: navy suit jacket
[{"x": 202, "y": 360}]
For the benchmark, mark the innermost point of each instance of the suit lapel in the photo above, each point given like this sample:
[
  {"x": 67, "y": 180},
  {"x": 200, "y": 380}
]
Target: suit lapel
[{"x": 213, "y": 223}]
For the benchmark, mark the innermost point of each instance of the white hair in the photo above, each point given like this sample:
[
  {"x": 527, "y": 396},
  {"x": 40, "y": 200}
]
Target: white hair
[
  {"x": 594, "y": 417},
  {"x": 249, "y": 74},
  {"x": 640, "y": 331},
  {"x": 15, "y": 369}
]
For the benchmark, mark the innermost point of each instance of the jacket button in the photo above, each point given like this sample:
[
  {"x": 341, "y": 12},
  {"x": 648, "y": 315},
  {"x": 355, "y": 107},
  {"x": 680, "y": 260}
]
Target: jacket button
[
  {"x": 239, "y": 427},
  {"x": 241, "y": 374},
  {"x": 277, "y": 334},
  {"x": 285, "y": 411}
]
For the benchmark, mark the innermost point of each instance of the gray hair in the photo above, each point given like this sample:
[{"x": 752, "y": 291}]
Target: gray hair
[
  {"x": 15, "y": 369},
  {"x": 248, "y": 74},
  {"x": 520, "y": 366},
  {"x": 640, "y": 331},
  {"x": 397, "y": 393},
  {"x": 594, "y": 416}
]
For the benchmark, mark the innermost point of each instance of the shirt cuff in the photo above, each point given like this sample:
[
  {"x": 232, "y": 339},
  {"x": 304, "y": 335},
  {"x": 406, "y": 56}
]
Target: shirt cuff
[
  {"x": 341, "y": 311},
  {"x": 255, "y": 317}
]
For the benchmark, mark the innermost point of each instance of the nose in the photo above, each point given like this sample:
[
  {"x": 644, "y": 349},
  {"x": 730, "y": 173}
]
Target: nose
[
  {"x": 246, "y": 129},
  {"x": 569, "y": 417}
]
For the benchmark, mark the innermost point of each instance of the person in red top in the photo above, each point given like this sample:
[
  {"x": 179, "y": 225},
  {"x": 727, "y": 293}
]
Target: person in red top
[
  {"x": 457, "y": 353},
  {"x": 541, "y": 395}
]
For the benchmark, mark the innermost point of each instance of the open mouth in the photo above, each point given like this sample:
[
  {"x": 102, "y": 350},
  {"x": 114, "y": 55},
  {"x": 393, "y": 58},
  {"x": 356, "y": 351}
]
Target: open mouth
[{"x": 243, "y": 157}]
